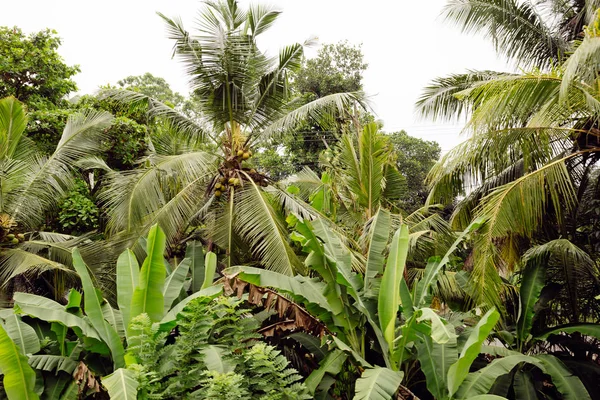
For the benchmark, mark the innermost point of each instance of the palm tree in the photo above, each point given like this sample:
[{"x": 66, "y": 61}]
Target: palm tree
[
  {"x": 527, "y": 166},
  {"x": 31, "y": 185},
  {"x": 198, "y": 173}
]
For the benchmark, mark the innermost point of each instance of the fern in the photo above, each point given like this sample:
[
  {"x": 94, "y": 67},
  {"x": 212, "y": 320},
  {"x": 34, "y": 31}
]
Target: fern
[{"x": 217, "y": 355}]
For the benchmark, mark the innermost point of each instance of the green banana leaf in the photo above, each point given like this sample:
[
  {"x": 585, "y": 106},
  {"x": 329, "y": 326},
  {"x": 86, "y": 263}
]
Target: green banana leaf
[
  {"x": 148, "y": 295},
  {"x": 121, "y": 384},
  {"x": 128, "y": 277},
  {"x": 19, "y": 377},
  {"x": 174, "y": 283},
  {"x": 389, "y": 292},
  {"x": 460, "y": 369},
  {"x": 377, "y": 384},
  {"x": 93, "y": 310}
]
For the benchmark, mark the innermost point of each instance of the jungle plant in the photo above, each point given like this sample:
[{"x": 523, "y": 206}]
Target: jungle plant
[
  {"x": 404, "y": 326},
  {"x": 32, "y": 185},
  {"x": 94, "y": 334},
  {"x": 208, "y": 178},
  {"x": 217, "y": 349}
]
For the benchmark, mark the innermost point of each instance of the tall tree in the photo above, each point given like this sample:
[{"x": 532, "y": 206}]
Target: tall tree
[
  {"x": 528, "y": 166},
  {"x": 31, "y": 68},
  {"x": 336, "y": 68},
  {"x": 198, "y": 172},
  {"x": 154, "y": 87},
  {"x": 415, "y": 157}
]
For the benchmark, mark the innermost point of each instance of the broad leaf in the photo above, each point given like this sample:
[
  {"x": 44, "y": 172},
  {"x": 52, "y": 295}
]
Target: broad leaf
[
  {"x": 459, "y": 370},
  {"x": 121, "y": 384},
  {"x": 532, "y": 284},
  {"x": 524, "y": 387},
  {"x": 480, "y": 382},
  {"x": 19, "y": 378},
  {"x": 377, "y": 241},
  {"x": 51, "y": 363},
  {"x": 168, "y": 320},
  {"x": 585, "y": 329},
  {"x": 128, "y": 276},
  {"x": 210, "y": 264},
  {"x": 93, "y": 310},
  {"x": 22, "y": 334},
  {"x": 213, "y": 357},
  {"x": 332, "y": 364},
  {"x": 195, "y": 254},
  {"x": 148, "y": 295},
  {"x": 174, "y": 283},
  {"x": 567, "y": 384},
  {"x": 378, "y": 384},
  {"x": 50, "y": 311},
  {"x": 389, "y": 293},
  {"x": 435, "y": 360}
]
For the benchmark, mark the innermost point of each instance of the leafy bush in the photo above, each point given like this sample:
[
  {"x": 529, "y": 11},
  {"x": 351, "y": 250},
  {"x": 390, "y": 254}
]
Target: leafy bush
[
  {"x": 216, "y": 356},
  {"x": 78, "y": 212}
]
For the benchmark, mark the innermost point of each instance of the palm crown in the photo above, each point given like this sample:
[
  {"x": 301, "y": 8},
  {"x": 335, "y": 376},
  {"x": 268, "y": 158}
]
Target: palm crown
[{"x": 197, "y": 171}]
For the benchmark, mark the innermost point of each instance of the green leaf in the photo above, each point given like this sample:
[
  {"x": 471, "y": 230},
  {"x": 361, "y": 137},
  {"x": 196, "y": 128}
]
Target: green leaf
[
  {"x": 121, "y": 384},
  {"x": 210, "y": 292},
  {"x": 50, "y": 311},
  {"x": 93, "y": 310},
  {"x": 215, "y": 360},
  {"x": 332, "y": 364},
  {"x": 19, "y": 378},
  {"x": 585, "y": 329},
  {"x": 195, "y": 254},
  {"x": 210, "y": 269},
  {"x": 433, "y": 267},
  {"x": 488, "y": 397},
  {"x": 128, "y": 276},
  {"x": 174, "y": 283},
  {"x": 22, "y": 334},
  {"x": 480, "y": 382},
  {"x": 565, "y": 381},
  {"x": 389, "y": 292},
  {"x": 534, "y": 279},
  {"x": 435, "y": 360},
  {"x": 114, "y": 318},
  {"x": 377, "y": 241},
  {"x": 378, "y": 384},
  {"x": 460, "y": 369},
  {"x": 524, "y": 387},
  {"x": 51, "y": 363},
  {"x": 148, "y": 295}
]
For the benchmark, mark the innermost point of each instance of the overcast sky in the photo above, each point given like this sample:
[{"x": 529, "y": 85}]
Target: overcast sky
[{"x": 405, "y": 43}]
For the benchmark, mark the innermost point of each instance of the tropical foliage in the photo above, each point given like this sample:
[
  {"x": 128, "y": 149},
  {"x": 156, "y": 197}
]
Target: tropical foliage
[{"x": 197, "y": 274}]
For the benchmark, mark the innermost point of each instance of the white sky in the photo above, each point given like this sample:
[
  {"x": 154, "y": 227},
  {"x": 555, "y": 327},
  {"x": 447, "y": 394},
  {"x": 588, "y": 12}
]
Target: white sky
[{"x": 405, "y": 43}]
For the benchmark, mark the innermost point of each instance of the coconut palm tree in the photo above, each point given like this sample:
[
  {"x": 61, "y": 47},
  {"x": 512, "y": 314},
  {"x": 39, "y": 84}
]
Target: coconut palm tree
[
  {"x": 198, "y": 173},
  {"x": 31, "y": 185},
  {"x": 527, "y": 165}
]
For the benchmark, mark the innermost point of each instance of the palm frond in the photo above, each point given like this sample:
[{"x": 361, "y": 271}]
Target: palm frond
[
  {"x": 259, "y": 223},
  {"x": 156, "y": 110},
  {"x": 439, "y": 101},
  {"x": 145, "y": 196},
  {"x": 317, "y": 110},
  {"x": 50, "y": 178},
  {"x": 515, "y": 28}
]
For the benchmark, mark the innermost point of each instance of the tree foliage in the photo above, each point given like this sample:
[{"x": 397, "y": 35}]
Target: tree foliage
[{"x": 31, "y": 68}]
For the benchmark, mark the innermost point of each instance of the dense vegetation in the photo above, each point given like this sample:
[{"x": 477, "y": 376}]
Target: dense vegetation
[{"x": 265, "y": 238}]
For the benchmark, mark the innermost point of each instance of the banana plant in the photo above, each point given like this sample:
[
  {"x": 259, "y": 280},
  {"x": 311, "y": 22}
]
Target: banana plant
[
  {"x": 98, "y": 330},
  {"x": 404, "y": 325}
]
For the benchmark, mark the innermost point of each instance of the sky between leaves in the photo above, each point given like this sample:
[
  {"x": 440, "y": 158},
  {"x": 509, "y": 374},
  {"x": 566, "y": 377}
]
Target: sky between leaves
[{"x": 405, "y": 43}]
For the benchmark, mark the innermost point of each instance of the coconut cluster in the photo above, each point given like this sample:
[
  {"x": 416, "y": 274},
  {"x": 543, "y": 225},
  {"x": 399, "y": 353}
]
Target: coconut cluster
[
  {"x": 233, "y": 173},
  {"x": 13, "y": 238}
]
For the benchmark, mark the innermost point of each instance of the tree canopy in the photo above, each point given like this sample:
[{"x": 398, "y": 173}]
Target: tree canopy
[{"x": 32, "y": 69}]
